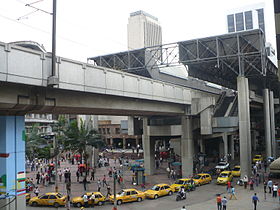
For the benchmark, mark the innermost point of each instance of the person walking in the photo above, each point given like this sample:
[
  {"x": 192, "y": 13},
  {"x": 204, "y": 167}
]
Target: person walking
[
  {"x": 85, "y": 198},
  {"x": 60, "y": 175},
  {"x": 104, "y": 181},
  {"x": 108, "y": 191},
  {"x": 255, "y": 200},
  {"x": 228, "y": 186},
  {"x": 85, "y": 183},
  {"x": 274, "y": 190},
  {"x": 270, "y": 184},
  {"x": 219, "y": 202},
  {"x": 232, "y": 194},
  {"x": 279, "y": 193},
  {"x": 98, "y": 185},
  {"x": 245, "y": 180},
  {"x": 78, "y": 175},
  {"x": 183, "y": 208},
  {"x": 92, "y": 174},
  {"x": 36, "y": 191},
  {"x": 224, "y": 203}
]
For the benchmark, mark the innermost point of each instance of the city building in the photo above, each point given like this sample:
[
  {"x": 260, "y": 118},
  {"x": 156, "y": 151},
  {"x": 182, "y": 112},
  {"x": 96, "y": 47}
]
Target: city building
[
  {"x": 247, "y": 18},
  {"x": 143, "y": 30}
]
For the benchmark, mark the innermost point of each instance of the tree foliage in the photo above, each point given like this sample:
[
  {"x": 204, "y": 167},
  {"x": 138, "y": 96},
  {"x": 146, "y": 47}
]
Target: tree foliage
[{"x": 80, "y": 135}]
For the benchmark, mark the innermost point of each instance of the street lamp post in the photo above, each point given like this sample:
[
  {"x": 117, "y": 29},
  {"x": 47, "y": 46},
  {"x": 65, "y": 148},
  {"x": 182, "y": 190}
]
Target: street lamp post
[{"x": 115, "y": 197}]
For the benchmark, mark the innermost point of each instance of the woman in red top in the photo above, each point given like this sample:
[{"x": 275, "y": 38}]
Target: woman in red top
[{"x": 279, "y": 194}]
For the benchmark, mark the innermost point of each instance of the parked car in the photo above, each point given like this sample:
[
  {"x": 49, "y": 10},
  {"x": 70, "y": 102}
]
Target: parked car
[
  {"x": 159, "y": 190},
  {"x": 48, "y": 199},
  {"x": 202, "y": 178},
  {"x": 128, "y": 195},
  {"x": 187, "y": 183},
  {"x": 236, "y": 171},
  {"x": 224, "y": 177},
  {"x": 79, "y": 201},
  {"x": 257, "y": 158}
]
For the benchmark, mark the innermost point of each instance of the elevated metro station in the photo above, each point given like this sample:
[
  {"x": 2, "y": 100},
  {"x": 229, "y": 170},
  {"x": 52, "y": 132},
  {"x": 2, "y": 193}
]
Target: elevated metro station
[{"x": 190, "y": 110}]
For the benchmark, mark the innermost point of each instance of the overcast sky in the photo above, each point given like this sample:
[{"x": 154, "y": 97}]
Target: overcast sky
[{"x": 87, "y": 28}]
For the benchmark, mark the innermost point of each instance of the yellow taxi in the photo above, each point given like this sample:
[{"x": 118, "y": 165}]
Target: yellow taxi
[
  {"x": 224, "y": 177},
  {"x": 236, "y": 171},
  {"x": 202, "y": 178},
  {"x": 159, "y": 190},
  {"x": 48, "y": 199},
  {"x": 257, "y": 158},
  {"x": 186, "y": 183},
  {"x": 128, "y": 195},
  {"x": 27, "y": 197},
  {"x": 98, "y": 200}
]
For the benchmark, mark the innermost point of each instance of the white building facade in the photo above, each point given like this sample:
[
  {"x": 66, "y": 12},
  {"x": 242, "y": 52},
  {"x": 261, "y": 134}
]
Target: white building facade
[{"x": 143, "y": 30}]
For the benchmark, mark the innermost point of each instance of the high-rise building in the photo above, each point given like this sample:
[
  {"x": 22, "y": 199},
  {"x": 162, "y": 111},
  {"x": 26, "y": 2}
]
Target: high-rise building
[
  {"x": 143, "y": 30},
  {"x": 246, "y": 18}
]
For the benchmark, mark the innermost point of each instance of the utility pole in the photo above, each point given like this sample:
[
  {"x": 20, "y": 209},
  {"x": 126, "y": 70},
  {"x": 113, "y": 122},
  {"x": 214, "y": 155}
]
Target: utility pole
[
  {"x": 115, "y": 198},
  {"x": 54, "y": 38},
  {"x": 56, "y": 163}
]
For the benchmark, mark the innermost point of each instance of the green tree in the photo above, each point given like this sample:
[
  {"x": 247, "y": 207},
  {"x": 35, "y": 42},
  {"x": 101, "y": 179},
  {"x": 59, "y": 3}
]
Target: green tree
[
  {"x": 35, "y": 145},
  {"x": 79, "y": 136}
]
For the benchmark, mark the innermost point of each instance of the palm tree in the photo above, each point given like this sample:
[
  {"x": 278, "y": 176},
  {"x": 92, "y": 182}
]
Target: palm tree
[{"x": 78, "y": 137}]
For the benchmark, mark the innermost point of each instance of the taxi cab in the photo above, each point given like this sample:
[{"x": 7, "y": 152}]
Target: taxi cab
[
  {"x": 98, "y": 200},
  {"x": 224, "y": 177},
  {"x": 48, "y": 199},
  {"x": 186, "y": 183},
  {"x": 202, "y": 178},
  {"x": 159, "y": 190},
  {"x": 236, "y": 171},
  {"x": 128, "y": 195},
  {"x": 257, "y": 158}
]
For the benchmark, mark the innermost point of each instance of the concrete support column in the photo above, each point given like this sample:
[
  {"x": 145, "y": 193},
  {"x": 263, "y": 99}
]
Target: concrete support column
[
  {"x": 202, "y": 146},
  {"x": 244, "y": 125},
  {"x": 124, "y": 143},
  {"x": 267, "y": 122},
  {"x": 149, "y": 149},
  {"x": 254, "y": 140},
  {"x": 225, "y": 140},
  {"x": 231, "y": 140},
  {"x": 111, "y": 142},
  {"x": 272, "y": 124},
  {"x": 12, "y": 162},
  {"x": 187, "y": 146}
]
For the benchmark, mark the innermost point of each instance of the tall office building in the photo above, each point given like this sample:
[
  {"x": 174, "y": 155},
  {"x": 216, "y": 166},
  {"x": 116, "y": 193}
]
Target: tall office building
[
  {"x": 143, "y": 30},
  {"x": 246, "y": 18}
]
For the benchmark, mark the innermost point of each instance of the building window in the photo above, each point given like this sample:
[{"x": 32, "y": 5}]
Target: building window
[
  {"x": 239, "y": 21},
  {"x": 248, "y": 20},
  {"x": 261, "y": 19},
  {"x": 117, "y": 130},
  {"x": 230, "y": 20},
  {"x": 108, "y": 131}
]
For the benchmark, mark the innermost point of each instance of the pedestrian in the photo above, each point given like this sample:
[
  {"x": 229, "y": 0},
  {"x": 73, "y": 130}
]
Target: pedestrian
[
  {"x": 232, "y": 194},
  {"x": 98, "y": 185},
  {"x": 251, "y": 183},
  {"x": 68, "y": 187},
  {"x": 219, "y": 201},
  {"x": 36, "y": 191},
  {"x": 78, "y": 175},
  {"x": 183, "y": 208},
  {"x": 274, "y": 190},
  {"x": 264, "y": 186},
  {"x": 60, "y": 175},
  {"x": 270, "y": 184},
  {"x": 85, "y": 183},
  {"x": 255, "y": 200},
  {"x": 245, "y": 181},
  {"x": 279, "y": 193},
  {"x": 104, "y": 181},
  {"x": 265, "y": 166},
  {"x": 92, "y": 199},
  {"x": 38, "y": 176},
  {"x": 224, "y": 203},
  {"x": 228, "y": 186},
  {"x": 108, "y": 191},
  {"x": 92, "y": 174},
  {"x": 85, "y": 198}
]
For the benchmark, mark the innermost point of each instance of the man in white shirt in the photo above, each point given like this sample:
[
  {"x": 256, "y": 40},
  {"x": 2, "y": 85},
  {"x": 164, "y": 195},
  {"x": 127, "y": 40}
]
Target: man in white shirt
[
  {"x": 274, "y": 190},
  {"x": 85, "y": 198}
]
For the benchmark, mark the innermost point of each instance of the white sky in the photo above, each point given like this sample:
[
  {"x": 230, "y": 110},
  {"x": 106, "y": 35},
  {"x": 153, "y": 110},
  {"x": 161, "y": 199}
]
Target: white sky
[{"x": 87, "y": 28}]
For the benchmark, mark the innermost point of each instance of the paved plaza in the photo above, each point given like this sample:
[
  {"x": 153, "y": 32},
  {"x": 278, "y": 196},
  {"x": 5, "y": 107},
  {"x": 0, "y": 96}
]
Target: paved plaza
[{"x": 203, "y": 197}]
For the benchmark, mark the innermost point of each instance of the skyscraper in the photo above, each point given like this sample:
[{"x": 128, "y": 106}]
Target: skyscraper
[
  {"x": 246, "y": 18},
  {"x": 143, "y": 30}
]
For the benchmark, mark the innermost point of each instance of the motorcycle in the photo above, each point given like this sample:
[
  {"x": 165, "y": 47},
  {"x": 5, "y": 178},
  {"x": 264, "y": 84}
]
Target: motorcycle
[{"x": 181, "y": 196}]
